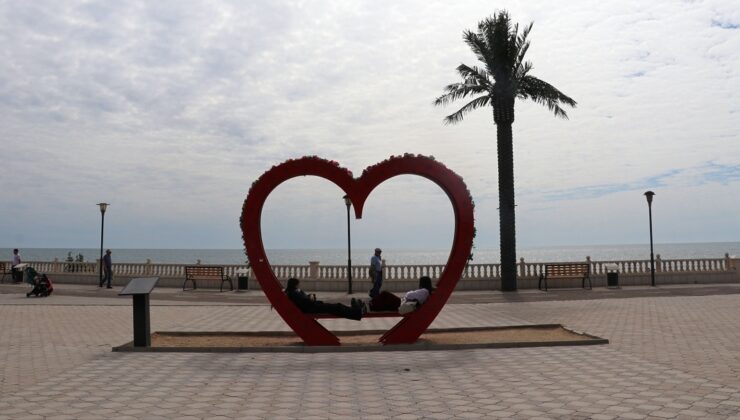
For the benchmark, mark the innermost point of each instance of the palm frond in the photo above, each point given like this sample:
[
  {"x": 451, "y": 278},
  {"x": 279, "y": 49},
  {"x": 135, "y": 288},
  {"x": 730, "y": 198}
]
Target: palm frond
[
  {"x": 475, "y": 81},
  {"x": 496, "y": 31},
  {"x": 457, "y": 91},
  {"x": 470, "y": 74},
  {"x": 546, "y": 94},
  {"x": 520, "y": 72},
  {"x": 499, "y": 44},
  {"x": 512, "y": 40},
  {"x": 478, "y": 45},
  {"x": 476, "y": 103},
  {"x": 522, "y": 45}
]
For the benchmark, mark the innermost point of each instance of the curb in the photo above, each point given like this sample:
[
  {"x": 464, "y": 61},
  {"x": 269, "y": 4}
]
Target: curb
[{"x": 584, "y": 340}]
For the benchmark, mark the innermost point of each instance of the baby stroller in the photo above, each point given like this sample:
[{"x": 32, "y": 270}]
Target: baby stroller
[{"x": 42, "y": 285}]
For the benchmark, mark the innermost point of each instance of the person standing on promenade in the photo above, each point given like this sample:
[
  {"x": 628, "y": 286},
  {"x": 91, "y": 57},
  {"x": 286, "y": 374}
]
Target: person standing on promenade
[
  {"x": 16, "y": 273},
  {"x": 107, "y": 270},
  {"x": 376, "y": 273}
]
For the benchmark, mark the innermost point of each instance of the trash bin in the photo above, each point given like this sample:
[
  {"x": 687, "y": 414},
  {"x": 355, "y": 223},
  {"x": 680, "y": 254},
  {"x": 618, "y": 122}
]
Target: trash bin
[
  {"x": 612, "y": 275},
  {"x": 242, "y": 279}
]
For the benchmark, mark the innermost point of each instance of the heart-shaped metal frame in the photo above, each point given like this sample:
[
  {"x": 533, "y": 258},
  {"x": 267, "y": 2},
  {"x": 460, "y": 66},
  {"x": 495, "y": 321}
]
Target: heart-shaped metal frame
[{"x": 411, "y": 326}]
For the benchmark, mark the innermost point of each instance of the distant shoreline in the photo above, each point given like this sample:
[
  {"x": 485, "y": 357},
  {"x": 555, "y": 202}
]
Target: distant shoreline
[{"x": 392, "y": 256}]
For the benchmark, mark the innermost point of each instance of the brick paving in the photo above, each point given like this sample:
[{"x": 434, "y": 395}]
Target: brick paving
[{"x": 674, "y": 353}]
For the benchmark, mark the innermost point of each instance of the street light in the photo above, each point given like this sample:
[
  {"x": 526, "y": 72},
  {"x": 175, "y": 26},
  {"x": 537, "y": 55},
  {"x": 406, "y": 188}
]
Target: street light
[
  {"x": 103, "y": 207},
  {"x": 348, "y": 202},
  {"x": 649, "y": 195}
]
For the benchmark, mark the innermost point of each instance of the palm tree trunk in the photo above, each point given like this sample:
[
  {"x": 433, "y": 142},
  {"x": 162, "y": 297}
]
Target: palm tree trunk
[{"x": 506, "y": 204}]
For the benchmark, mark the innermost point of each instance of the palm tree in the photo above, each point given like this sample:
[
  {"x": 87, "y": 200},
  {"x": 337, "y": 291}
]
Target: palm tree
[{"x": 503, "y": 77}]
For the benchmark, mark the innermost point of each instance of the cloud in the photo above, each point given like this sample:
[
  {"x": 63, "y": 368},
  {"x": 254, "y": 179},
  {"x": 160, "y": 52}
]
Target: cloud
[
  {"x": 706, "y": 173},
  {"x": 594, "y": 191},
  {"x": 170, "y": 110},
  {"x": 725, "y": 24}
]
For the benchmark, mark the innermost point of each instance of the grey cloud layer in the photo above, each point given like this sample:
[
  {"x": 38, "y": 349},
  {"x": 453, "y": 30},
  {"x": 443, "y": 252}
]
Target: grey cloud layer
[{"x": 152, "y": 103}]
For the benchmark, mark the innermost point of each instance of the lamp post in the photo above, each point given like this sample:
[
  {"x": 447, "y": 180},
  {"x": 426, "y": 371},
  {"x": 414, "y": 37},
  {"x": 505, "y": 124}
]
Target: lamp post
[
  {"x": 649, "y": 195},
  {"x": 348, "y": 202},
  {"x": 103, "y": 207}
]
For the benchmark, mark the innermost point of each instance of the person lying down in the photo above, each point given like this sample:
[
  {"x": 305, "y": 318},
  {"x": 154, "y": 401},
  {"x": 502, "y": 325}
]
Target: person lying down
[
  {"x": 411, "y": 300},
  {"x": 312, "y": 306}
]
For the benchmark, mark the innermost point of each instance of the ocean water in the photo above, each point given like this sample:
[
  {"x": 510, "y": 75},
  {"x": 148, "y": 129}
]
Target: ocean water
[{"x": 392, "y": 256}]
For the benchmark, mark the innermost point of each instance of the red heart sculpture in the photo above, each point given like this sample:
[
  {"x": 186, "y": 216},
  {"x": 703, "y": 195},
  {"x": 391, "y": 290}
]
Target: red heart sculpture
[{"x": 411, "y": 326}]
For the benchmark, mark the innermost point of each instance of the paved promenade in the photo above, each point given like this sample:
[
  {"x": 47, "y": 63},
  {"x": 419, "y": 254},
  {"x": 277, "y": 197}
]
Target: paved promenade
[{"x": 674, "y": 353}]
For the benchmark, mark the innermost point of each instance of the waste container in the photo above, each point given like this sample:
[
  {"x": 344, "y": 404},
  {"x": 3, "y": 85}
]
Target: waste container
[
  {"x": 612, "y": 275},
  {"x": 242, "y": 279}
]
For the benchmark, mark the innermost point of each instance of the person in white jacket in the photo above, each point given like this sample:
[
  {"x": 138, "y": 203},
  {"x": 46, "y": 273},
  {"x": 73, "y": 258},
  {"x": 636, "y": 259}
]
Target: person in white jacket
[
  {"x": 415, "y": 298},
  {"x": 411, "y": 300},
  {"x": 16, "y": 272}
]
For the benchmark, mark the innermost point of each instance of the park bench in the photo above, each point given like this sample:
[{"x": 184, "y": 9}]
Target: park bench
[
  {"x": 195, "y": 273},
  {"x": 566, "y": 271},
  {"x": 5, "y": 269}
]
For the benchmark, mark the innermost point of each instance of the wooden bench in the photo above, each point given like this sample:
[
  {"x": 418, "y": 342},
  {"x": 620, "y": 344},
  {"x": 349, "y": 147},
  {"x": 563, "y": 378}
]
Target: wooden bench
[
  {"x": 566, "y": 271},
  {"x": 206, "y": 272},
  {"x": 5, "y": 269}
]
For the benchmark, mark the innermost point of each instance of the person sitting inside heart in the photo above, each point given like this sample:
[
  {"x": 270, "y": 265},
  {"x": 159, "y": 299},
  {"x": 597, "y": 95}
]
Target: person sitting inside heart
[
  {"x": 312, "y": 306},
  {"x": 411, "y": 300}
]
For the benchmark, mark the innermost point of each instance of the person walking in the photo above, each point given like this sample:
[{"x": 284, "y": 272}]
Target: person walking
[
  {"x": 107, "y": 270},
  {"x": 376, "y": 273},
  {"x": 16, "y": 273}
]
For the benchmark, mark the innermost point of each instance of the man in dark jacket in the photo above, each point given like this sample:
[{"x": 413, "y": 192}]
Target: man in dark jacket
[
  {"x": 107, "y": 270},
  {"x": 311, "y": 306}
]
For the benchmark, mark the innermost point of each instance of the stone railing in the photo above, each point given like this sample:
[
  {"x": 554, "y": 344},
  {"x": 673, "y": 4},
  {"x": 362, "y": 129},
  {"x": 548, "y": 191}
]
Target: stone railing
[
  {"x": 481, "y": 274},
  {"x": 698, "y": 265},
  {"x": 63, "y": 267}
]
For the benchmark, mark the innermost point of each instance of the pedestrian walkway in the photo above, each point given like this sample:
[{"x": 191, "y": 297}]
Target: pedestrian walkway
[{"x": 674, "y": 352}]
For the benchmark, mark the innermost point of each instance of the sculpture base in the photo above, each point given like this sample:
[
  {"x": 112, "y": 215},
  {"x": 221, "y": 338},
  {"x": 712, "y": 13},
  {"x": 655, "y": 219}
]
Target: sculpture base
[{"x": 358, "y": 341}]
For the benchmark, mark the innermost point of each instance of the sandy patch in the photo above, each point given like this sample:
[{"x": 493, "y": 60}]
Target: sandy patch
[{"x": 534, "y": 334}]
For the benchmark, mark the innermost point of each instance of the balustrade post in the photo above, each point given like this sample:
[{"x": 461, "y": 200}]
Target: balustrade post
[
  {"x": 735, "y": 263},
  {"x": 56, "y": 269},
  {"x": 148, "y": 267},
  {"x": 728, "y": 262},
  {"x": 313, "y": 270},
  {"x": 522, "y": 268},
  {"x": 658, "y": 264}
]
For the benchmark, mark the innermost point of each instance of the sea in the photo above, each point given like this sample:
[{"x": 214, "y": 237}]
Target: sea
[{"x": 391, "y": 256}]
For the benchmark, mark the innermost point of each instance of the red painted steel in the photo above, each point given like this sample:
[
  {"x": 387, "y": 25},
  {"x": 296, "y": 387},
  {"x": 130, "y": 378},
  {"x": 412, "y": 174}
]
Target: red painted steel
[{"x": 410, "y": 327}]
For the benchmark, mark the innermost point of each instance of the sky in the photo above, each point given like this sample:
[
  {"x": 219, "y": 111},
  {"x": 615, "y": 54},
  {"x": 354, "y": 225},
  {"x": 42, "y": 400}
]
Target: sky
[{"x": 169, "y": 110}]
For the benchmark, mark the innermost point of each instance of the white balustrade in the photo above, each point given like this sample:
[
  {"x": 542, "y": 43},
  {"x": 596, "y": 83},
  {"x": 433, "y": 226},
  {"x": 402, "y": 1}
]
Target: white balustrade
[
  {"x": 695, "y": 265},
  {"x": 392, "y": 272}
]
